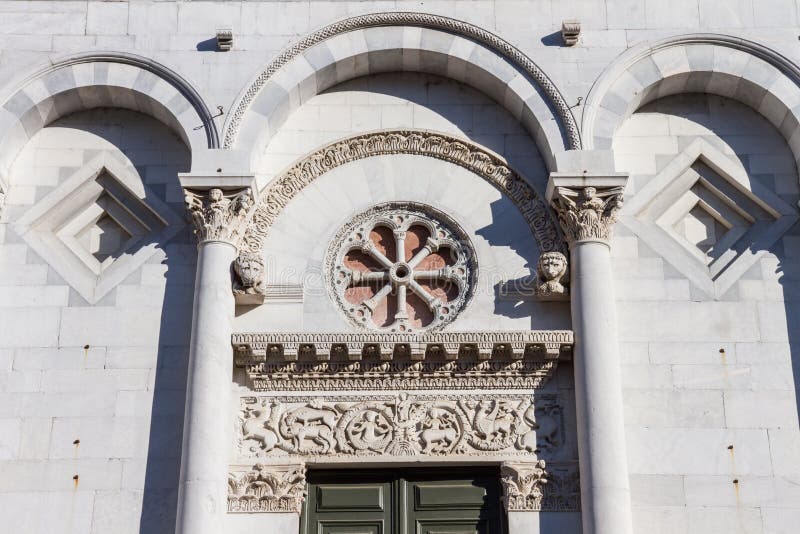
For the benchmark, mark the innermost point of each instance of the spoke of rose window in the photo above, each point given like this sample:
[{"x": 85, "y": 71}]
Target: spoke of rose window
[
  {"x": 361, "y": 277},
  {"x": 402, "y": 312},
  {"x": 438, "y": 274},
  {"x": 370, "y": 249},
  {"x": 430, "y": 246},
  {"x": 376, "y": 299},
  {"x": 429, "y": 299},
  {"x": 400, "y": 244}
]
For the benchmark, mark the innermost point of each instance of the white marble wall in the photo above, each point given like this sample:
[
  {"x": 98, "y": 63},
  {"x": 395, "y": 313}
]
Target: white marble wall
[
  {"x": 93, "y": 391},
  {"x": 122, "y": 396},
  {"x": 701, "y": 375}
]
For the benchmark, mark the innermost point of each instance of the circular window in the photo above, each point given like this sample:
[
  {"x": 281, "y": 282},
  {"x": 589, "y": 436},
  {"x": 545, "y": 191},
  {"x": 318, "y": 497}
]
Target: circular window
[{"x": 401, "y": 267}]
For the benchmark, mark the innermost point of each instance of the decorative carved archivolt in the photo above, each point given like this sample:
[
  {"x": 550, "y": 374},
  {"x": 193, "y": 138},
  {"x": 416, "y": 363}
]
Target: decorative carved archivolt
[
  {"x": 395, "y": 425},
  {"x": 267, "y": 488},
  {"x": 401, "y": 267},
  {"x": 404, "y": 18},
  {"x": 219, "y": 215},
  {"x": 253, "y": 348},
  {"x": 460, "y": 152},
  {"x": 587, "y": 214}
]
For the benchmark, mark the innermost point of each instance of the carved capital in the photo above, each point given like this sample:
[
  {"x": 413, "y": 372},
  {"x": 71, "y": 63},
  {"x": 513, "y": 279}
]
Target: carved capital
[
  {"x": 523, "y": 485},
  {"x": 587, "y": 205},
  {"x": 267, "y": 488},
  {"x": 220, "y": 215},
  {"x": 587, "y": 214}
]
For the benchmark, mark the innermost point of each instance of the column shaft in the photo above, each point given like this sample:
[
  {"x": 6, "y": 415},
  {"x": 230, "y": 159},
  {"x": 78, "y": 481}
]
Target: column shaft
[
  {"x": 605, "y": 489},
  {"x": 202, "y": 498}
]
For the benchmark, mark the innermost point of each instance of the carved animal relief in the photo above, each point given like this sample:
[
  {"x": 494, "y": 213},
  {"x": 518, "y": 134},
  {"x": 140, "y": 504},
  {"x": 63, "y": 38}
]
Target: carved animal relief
[
  {"x": 401, "y": 425},
  {"x": 401, "y": 267}
]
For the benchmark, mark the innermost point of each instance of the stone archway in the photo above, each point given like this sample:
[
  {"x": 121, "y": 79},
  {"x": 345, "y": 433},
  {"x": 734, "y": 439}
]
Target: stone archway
[
  {"x": 722, "y": 65},
  {"x": 402, "y": 41}
]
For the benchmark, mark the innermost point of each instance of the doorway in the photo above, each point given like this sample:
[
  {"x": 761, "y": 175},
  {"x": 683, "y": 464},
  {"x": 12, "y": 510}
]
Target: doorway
[{"x": 404, "y": 501}]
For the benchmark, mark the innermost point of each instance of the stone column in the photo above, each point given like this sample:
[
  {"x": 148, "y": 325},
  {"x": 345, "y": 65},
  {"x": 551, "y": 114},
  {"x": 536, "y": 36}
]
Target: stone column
[
  {"x": 219, "y": 218},
  {"x": 587, "y": 208}
]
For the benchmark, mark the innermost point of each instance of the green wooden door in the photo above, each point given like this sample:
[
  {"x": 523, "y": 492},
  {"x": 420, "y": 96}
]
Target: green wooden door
[{"x": 404, "y": 501}]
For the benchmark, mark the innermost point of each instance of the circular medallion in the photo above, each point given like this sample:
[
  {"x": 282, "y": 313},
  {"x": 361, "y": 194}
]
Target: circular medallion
[{"x": 401, "y": 267}]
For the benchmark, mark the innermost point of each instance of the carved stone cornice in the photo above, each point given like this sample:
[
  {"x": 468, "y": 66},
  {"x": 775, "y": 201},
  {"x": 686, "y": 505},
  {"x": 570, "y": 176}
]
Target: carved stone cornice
[
  {"x": 587, "y": 206},
  {"x": 523, "y": 485},
  {"x": 267, "y": 488},
  {"x": 253, "y": 348}
]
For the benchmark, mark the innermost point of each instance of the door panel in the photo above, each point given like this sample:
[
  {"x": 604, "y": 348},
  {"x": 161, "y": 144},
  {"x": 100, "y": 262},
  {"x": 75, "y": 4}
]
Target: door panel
[
  {"x": 452, "y": 527},
  {"x": 404, "y": 501},
  {"x": 351, "y": 527},
  {"x": 364, "y": 497}
]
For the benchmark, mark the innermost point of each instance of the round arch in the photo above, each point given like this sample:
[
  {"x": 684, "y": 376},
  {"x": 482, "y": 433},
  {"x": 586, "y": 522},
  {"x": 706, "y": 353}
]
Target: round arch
[
  {"x": 276, "y": 195},
  {"x": 722, "y": 65},
  {"x": 94, "y": 80},
  {"x": 402, "y": 41}
]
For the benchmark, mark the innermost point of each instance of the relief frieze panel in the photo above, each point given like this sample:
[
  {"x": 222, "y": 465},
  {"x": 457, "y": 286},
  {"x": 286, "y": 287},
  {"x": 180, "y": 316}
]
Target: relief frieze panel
[{"x": 398, "y": 425}]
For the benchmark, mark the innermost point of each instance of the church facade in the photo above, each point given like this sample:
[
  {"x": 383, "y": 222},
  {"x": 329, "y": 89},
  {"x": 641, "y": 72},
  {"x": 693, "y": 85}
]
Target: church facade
[{"x": 520, "y": 267}]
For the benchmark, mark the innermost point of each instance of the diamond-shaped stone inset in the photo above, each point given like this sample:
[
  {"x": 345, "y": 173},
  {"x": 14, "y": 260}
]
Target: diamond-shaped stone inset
[
  {"x": 98, "y": 226},
  {"x": 705, "y": 216}
]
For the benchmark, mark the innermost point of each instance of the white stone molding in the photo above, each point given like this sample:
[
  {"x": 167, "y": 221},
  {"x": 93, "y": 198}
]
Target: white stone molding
[
  {"x": 722, "y": 65},
  {"x": 381, "y": 426},
  {"x": 398, "y": 275},
  {"x": 101, "y": 79},
  {"x": 309, "y": 66},
  {"x": 753, "y": 218},
  {"x": 487, "y": 165},
  {"x": 252, "y": 348},
  {"x": 267, "y": 488},
  {"x": 108, "y": 188},
  {"x": 523, "y": 485}
]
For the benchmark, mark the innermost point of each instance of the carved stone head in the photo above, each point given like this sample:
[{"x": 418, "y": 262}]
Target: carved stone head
[
  {"x": 249, "y": 268},
  {"x": 552, "y": 273},
  {"x": 552, "y": 266}
]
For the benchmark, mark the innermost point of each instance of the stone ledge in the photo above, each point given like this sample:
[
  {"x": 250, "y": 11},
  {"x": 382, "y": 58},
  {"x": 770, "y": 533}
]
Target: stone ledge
[{"x": 253, "y": 348}]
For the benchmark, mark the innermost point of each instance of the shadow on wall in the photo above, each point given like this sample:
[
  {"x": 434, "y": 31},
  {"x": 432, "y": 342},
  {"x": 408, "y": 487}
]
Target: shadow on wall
[
  {"x": 162, "y": 466},
  {"x": 160, "y": 499}
]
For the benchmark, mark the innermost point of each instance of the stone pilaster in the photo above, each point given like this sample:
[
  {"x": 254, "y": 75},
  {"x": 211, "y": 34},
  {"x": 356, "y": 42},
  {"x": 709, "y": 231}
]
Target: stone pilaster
[
  {"x": 267, "y": 488},
  {"x": 587, "y": 207},
  {"x": 523, "y": 485},
  {"x": 220, "y": 215}
]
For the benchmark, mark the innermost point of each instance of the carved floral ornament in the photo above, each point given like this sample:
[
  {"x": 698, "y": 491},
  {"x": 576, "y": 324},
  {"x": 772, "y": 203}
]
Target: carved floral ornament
[{"x": 267, "y": 488}]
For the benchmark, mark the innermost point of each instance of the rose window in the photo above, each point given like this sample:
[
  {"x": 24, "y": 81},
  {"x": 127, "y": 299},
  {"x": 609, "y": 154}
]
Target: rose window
[{"x": 401, "y": 268}]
